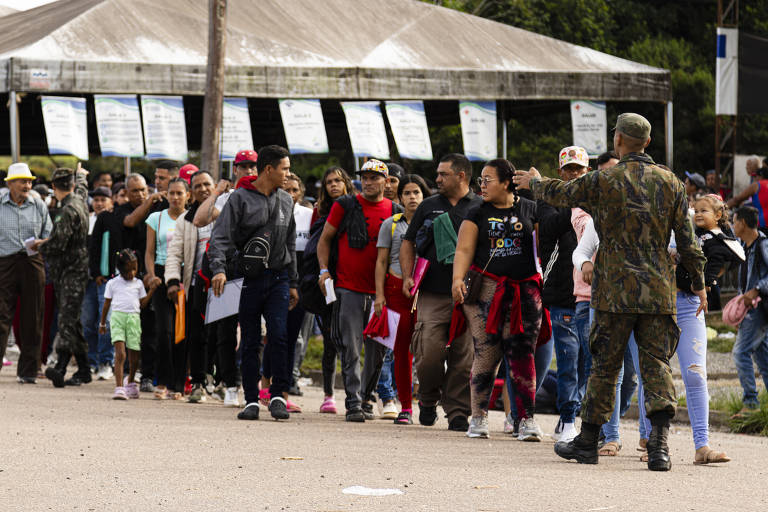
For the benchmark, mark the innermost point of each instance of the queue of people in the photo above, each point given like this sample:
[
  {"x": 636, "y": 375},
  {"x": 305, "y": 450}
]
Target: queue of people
[{"x": 581, "y": 267}]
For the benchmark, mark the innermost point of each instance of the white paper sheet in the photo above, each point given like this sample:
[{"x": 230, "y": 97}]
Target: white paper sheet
[
  {"x": 330, "y": 294},
  {"x": 227, "y": 304},
  {"x": 28, "y": 246}
]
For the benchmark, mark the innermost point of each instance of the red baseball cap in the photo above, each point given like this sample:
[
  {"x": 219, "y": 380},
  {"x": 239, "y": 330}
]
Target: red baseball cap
[
  {"x": 187, "y": 171},
  {"x": 246, "y": 155}
]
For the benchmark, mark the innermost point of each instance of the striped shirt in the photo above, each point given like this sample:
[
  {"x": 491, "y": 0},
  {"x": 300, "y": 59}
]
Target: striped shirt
[{"x": 18, "y": 223}]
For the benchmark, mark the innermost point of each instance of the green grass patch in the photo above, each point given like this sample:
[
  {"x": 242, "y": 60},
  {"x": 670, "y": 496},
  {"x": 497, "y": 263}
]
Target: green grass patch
[
  {"x": 752, "y": 422},
  {"x": 313, "y": 360},
  {"x": 721, "y": 345}
]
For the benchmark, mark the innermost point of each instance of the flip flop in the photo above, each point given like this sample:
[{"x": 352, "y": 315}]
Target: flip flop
[
  {"x": 710, "y": 457},
  {"x": 610, "y": 449}
]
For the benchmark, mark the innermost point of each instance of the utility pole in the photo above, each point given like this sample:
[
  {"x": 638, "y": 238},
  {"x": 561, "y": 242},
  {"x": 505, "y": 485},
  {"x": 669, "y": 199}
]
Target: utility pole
[{"x": 214, "y": 89}]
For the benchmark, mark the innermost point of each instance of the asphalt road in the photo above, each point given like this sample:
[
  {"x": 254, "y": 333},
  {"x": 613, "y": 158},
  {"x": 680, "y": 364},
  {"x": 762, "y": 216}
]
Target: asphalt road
[{"x": 76, "y": 449}]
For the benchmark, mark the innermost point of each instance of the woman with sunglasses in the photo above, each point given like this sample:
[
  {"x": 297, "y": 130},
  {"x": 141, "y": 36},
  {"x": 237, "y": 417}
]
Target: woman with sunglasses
[{"x": 505, "y": 316}]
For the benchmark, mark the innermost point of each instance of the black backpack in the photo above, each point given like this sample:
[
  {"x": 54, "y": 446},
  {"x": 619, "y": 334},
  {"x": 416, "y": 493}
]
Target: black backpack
[{"x": 311, "y": 296}]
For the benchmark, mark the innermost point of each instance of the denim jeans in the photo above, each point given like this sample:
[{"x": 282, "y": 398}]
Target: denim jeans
[
  {"x": 542, "y": 358},
  {"x": 568, "y": 353},
  {"x": 583, "y": 324},
  {"x": 628, "y": 382},
  {"x": 266, "y": 295},
  {"x": 751, "y": 342},
  {"x": 384, "y": 388},
  {"x": 692, "y": 354},
  {"x": 100, "y": 350}
]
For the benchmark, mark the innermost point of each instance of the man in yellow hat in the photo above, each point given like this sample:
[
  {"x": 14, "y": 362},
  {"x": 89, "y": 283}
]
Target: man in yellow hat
[{"x": 22, "y": 274}]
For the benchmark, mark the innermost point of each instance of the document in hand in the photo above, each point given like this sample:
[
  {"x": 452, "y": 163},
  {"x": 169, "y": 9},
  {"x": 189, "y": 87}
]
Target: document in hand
[
  {"x": 227, "y": 304},
  {"x": 383, "y": 328}
]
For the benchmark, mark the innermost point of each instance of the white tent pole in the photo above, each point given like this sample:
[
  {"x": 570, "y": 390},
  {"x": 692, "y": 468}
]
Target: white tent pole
[
  {"x": 357, "y": 165},
  {"x": 127, "y": 166},
  {"x": 668, "y": 131},
  {"x": 504, "y": 131},
  {"x": 14, "y": 118}
]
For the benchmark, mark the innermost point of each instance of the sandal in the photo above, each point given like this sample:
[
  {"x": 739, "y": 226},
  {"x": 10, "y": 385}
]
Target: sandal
[
  {"x": 610, "y": 449},
  {"x": 292, "y": 407},
  {"x": 642, "y": 445},
  {"x": 706, "y": 455},
  {"x": 264, "y": 397},
  {"x": 161, "y": 393},
  {"x": 644, "y": 457}
]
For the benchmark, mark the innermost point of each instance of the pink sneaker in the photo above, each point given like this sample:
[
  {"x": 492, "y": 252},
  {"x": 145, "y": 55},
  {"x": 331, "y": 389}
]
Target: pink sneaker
[
  {"x": 119, "y": 394},
  {"x": 6, "y": 362},
  {"x": 329, "y": 405},
  {"x": 132, "y": 390}
]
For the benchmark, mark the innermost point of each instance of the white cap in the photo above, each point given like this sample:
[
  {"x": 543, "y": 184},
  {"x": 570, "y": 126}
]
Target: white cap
[{"x": 19, "y": 171}]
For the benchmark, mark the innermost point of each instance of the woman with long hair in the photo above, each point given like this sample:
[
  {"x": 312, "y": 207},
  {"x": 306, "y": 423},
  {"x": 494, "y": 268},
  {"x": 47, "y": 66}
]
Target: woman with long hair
[{"x": 504, "y": 312}]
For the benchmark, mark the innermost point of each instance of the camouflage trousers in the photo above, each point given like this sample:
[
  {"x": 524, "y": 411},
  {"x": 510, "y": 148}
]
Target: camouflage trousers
[
  {"x": 656, "y": 337},
  {"x": 70, "y": 291}
]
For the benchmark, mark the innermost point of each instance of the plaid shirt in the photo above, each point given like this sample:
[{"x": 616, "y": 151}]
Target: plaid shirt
[{"x": 18, "y": 223}]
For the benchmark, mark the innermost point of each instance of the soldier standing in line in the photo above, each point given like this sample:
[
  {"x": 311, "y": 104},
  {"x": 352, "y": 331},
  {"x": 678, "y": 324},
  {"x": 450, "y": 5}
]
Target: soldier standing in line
[
  {"x": 65, "y": 251},
  {"x": 635, "y": 206}
]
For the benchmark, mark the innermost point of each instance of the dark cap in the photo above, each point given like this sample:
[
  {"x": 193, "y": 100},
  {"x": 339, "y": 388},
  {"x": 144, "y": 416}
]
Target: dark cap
[
  {"x": 395, "y": 170},
  {"x": 101, "y": 191},
  {"x": 62, "y": 172},
  {"x": 697, "y": 179},
  {"x": 633, "y": 125}
]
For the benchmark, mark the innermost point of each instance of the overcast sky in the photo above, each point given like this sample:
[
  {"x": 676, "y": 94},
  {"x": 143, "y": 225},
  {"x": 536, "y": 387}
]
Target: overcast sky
[{"x": 23, "y": 5}]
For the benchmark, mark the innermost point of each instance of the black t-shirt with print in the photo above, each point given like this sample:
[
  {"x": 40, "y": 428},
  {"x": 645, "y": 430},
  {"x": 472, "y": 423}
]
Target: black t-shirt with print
[{"x": 510, "y": 232}]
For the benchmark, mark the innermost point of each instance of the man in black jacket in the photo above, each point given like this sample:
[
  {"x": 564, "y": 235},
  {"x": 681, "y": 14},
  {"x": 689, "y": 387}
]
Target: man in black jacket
[
  {"x": 260, "y": 206},
  {"x": 558, "y": 240}
]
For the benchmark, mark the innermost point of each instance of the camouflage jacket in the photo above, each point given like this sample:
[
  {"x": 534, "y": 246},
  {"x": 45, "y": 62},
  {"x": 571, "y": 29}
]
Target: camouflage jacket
[
  {"x": 67, "y": 247},
  {"x": 635, "y": 206}
]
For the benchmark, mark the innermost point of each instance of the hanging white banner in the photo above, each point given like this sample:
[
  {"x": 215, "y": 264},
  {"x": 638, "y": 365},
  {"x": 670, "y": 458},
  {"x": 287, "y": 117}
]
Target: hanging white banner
[
  {"x": 589, "y": 126},
  {"x": 66, "y": 126},
  {"x": 409, "y": 128},
  {"x": 304, "y": 126},
  {"x": 365, "y": 125},
  {"x": 235, "y": 128},
  {"x": 118, "y": 124},
  {"x": 727, "y": 72},
  {"x": 478, "y": 129},
  {"x": 165, "y": 131}
]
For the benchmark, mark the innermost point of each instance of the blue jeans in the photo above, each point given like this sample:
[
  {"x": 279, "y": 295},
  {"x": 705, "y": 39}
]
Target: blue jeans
[
  {"x": 628, "y": 382},
  {"x": 583, "y": 324},
  {"x": 568, "y": 353},
  {"x": 384, "y": 387},
  {"x": 692, "y": 354},
  {"x": 542, "y": 358},
  {"x": 751, "y": 342},
  {"x": 266, "y": 295},
  {"x": 100, "y": 350}
]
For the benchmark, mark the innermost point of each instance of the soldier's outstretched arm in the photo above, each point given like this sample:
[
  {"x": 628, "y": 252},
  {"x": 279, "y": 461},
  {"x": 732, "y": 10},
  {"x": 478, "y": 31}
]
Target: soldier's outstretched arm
[{"x": 583, "y": 192}]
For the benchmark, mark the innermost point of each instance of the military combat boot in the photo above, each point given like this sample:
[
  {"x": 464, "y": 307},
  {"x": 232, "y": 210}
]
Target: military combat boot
[
  {"x": 56, "y": 373},
  {"x": 658, "y": 450},
  {"x": 583, "y": 448},
  {"x": 83, "y": 373}
]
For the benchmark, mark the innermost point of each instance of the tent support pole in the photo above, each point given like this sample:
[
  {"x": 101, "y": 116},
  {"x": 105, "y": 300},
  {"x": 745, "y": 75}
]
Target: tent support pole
[
  {"x": 14, "y": 119},
  {"x": 127, "y": 166},
  {"x": 504, "y": 121},
  {"x": 668, "y": 131}
]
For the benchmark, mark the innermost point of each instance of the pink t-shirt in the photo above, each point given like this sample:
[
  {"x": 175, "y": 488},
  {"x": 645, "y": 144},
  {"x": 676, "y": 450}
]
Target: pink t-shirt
[{"x": 581, "y": 290}]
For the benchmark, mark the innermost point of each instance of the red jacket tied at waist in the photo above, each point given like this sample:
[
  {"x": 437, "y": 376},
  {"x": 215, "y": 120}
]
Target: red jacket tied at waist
[{"x": 495, "y": 319}]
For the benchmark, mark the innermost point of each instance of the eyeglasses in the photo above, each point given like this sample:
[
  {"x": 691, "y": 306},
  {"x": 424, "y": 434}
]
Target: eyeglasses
[{"x": 481, "y": 181}]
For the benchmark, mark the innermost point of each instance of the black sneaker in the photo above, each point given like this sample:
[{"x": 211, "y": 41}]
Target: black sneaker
[
  {"x": 428, "y": 415},
  {"x": 249, "y": 412},
  {"x": 26, "y": 380},
  {"x": 355, "y": 416},
  {"x": 78, "y": 379},
  {"x": 278, "y": 408},
  {"x": 367, "y": 408},
  {"x": 459, "y": 424},
  {"x": 146, "y": 385},
  {"x": 55, "y": 376},
  {"x": 404, "y": 418}
]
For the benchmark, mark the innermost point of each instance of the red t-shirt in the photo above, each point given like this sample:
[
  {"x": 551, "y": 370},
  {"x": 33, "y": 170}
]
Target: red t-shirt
[{"x": 356, "y": 269}]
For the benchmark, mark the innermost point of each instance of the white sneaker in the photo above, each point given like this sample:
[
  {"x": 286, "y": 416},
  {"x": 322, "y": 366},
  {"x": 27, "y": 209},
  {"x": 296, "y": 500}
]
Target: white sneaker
[
  {"x": 558, "y": 430},
  {"x": 105, "y": 372},
  {"x": 568, "y": 433},
  {"x": 389, "y": 411},
  {"x": 478, "y": 427},
  {"x": 230, "y": 397},
  {"x": 529, "y": 430}
]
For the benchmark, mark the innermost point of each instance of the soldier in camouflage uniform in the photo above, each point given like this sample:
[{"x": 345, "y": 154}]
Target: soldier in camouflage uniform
[
  {"x": 65, "y": 251},
  {"x": 635, "y": 206}
]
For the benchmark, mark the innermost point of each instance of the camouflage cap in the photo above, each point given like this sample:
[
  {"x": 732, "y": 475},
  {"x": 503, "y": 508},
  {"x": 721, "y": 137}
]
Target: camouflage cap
[
  {"x": 633, "y": 125},
  {"x": 62, "y": 172}
]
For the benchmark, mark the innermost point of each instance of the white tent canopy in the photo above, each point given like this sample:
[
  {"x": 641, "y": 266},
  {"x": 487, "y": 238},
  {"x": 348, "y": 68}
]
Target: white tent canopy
[{"x": 345, "y": 49}]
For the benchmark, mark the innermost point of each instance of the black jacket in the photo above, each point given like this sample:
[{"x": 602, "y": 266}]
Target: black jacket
[
  {"x": 106, "y": 222},
  {"x": 557, "y": 242}
]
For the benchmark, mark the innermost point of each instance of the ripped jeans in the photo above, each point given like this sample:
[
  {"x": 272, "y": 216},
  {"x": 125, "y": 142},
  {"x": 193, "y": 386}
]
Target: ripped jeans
[{"x": 692, "y": 354}]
